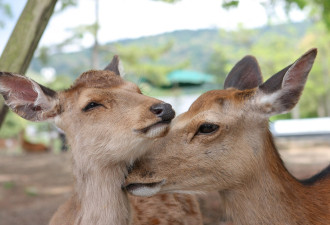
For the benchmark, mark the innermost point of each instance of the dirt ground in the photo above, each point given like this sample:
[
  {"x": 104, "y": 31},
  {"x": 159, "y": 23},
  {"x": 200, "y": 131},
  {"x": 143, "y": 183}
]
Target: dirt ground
[{"x": 32, "y": 186}]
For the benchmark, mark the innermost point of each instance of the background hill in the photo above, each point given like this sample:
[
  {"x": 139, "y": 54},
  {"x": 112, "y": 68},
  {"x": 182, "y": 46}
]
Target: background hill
[
  {"x": 193, "y": 46},
  {"x": 209, "y": 51}
]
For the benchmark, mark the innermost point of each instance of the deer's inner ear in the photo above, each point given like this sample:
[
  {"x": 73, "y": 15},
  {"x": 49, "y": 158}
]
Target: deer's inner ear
[
  {"x": 282, "y": 91},
  {"x": 27, "y": 98}
]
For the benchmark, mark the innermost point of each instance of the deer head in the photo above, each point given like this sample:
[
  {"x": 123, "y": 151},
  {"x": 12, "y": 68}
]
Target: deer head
[
  {"x": 105, "y": 118},
  {"x": 221, "y": 141}
]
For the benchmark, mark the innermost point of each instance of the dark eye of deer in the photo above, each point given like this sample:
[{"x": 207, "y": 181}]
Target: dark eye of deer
[
  {"x": 207, "y": 128},
  {"x": 90, "y": 106}
]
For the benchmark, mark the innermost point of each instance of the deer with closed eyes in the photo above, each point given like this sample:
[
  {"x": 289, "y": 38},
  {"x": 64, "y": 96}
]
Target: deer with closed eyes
[{"x": 109, "y": 123}]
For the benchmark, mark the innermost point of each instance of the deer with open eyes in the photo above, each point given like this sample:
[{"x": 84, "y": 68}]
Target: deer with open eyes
[
  {"x": 108, "y": 124},
  {"x": 223, "y": 143}
]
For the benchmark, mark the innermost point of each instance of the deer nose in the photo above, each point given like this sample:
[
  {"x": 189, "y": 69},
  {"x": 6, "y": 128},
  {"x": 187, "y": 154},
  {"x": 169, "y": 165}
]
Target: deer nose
[{"x": 163, "y": 111}]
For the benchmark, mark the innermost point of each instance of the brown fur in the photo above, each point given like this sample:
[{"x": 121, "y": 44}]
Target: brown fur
[
  {"x": 239, "y": 159},
  {"x": 34, "y": 147},
  {"x": 183, "y": 210},
  {"x": 104, "y": 140}
]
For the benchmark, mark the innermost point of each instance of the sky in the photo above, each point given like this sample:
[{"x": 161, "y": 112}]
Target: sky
[{"x": 122, "y": 19}]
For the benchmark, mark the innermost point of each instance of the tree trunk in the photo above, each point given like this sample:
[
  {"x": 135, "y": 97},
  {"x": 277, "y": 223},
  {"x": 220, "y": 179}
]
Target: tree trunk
[
  {"x": 24, "y": 40},
  {"x": 95, "y": 51}
]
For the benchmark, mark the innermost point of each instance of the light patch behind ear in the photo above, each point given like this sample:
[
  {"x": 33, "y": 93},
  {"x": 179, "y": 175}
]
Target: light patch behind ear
[
  {"x": 27, "y": 98},
  {"x": 116, "y": 66},
  {"x": 282, "y": 91}
]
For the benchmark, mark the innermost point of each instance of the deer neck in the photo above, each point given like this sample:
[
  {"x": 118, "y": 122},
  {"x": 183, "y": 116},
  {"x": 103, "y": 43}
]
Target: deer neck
[
  {"x": 269, "y": 197},
  {"x": 99, "y": 192}
]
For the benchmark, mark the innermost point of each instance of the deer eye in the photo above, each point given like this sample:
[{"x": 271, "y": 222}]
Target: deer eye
[
  {"x": 207, "y": 128},
  {"x": 90, "y": 106}
]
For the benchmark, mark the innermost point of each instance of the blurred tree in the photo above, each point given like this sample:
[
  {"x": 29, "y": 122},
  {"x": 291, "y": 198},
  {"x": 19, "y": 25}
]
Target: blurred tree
[
  {"x": 316, "y": 97},
  {"x": 218, "y": 64},
  {"x": 274, "y": 52},
  {"x": 316, "y": 101},
  {"x": 65, "y": 4},
  {"x": 95, "y": 30},
  {"x": 24, "y": 40},
  {"x": 140, "y": 62},
  {"x": 78, "y": 33},
  {"x": 276, "y": 49},
  {"x": 319, "y": 7},
  {"x": 61, "y": 82}
]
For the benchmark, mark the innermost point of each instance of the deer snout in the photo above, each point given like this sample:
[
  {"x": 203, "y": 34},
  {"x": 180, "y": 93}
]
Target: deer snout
[{"x": 163, "y": 111}]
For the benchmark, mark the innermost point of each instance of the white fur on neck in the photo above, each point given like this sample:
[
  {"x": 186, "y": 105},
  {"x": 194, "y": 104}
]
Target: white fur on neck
[{"x": 102, "y": 200}]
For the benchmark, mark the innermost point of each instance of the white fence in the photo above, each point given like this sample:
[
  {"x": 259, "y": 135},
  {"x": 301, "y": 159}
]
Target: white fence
[{"x": 301, "y": 127}]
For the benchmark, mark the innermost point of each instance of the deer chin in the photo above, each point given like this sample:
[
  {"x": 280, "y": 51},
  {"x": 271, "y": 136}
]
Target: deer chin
[
  {"x": 144, "y": 189},
  {"x": 155, "y": 130}
]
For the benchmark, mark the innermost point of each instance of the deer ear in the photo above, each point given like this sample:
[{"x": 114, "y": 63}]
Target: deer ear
[
  {"x": 282, "y": 91},
  {"x": 27, "y": 98},
  {"x": 245, "y": 74},
  {"x": 115, "y": 66}
]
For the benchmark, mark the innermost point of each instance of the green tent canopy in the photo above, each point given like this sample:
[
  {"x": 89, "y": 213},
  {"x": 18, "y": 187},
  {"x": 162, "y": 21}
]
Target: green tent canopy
[{"x": 189, "y": 77}]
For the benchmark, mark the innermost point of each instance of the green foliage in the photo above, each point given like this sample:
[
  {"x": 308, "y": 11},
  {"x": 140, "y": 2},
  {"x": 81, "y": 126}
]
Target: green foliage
[
  {"x": 227, "y": 4},
  {"x": 31, "y": 191},
  {"x": 60, "y": 83},
  {"x": 134, "y": 53},
  {"x": 43, "y": 55},
  {"x": 80, "y": 31},
  {"x": 325, "y": 11},
  {"x": 175, "y": 48},
  {"x": 67, "y": 3},
  {"x": 12, "y": 125},
  {"x": 5, "y": 11},
  {"x": 217, "y": 64},
  {"x": 77, "y": 34},
  {"x": 300, "y": 3},
  {"x": 9, "y": 185},
  {"x": 139, "y": 61},
  {"x": 216, "y": 52},
  {"x": 316, "y": 97},
  {"x": 274, "y": 50},
  {"x": 321, "y": 7},
  {"x": 260, "y": 43}
]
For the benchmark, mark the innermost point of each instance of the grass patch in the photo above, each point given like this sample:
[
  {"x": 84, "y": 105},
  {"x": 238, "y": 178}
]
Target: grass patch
[
  {"x": 31, "y": 191},
  {"x": 9, "y": 185}
]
